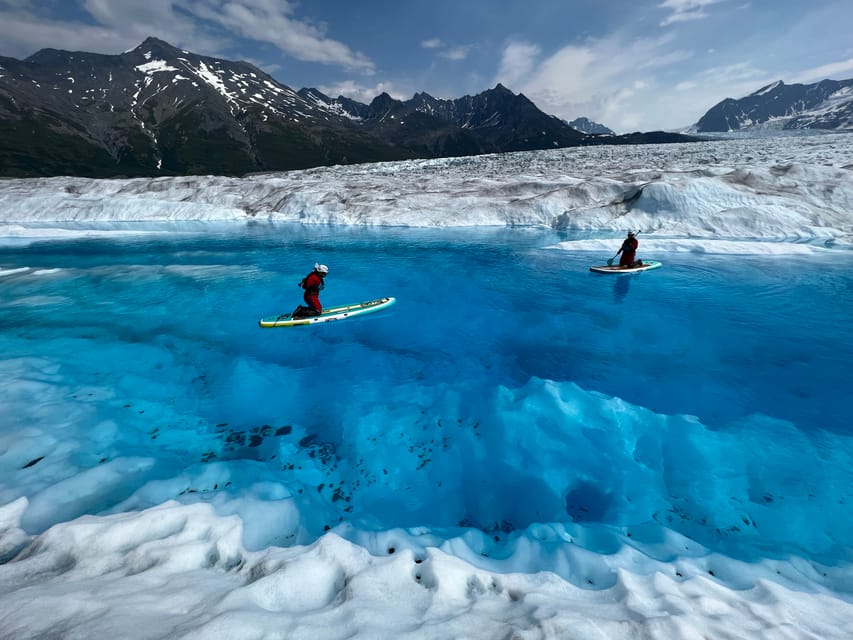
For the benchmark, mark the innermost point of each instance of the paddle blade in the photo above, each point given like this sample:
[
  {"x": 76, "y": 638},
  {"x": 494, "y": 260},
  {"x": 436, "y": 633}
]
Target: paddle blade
[{"x": 610, "y": 262}]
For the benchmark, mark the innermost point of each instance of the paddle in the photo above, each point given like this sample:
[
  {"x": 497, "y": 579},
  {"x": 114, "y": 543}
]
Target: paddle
[{"x": 610, "y": 261}]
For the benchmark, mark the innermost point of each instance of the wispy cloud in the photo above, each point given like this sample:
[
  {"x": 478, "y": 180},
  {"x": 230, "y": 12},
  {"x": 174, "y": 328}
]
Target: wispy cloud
[
  {"x": 609, "y": 80},
  {"x": 273, "y": 22},
  {"x": 684, "y": 10},
  {"x": 360, "y": 92},
  {"x": 208, "y": 26},
  {"x": 443, "y": 50},
  {"x": 24, "y": 30},
  {"x": 517, "y": 63},
  {"x": 456, "y": 53},
  {"x": 708, "y": 87},
  {"x": 836, "y": 70},
  {"x": 630, "y": 82},
  {"x": 625, "y": 83}
]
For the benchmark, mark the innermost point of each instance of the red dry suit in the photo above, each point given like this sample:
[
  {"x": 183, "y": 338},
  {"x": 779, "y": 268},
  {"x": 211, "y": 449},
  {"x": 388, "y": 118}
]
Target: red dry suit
[
  {"x": 628, "y": 251},
  {"x": 312, "y": 283}
]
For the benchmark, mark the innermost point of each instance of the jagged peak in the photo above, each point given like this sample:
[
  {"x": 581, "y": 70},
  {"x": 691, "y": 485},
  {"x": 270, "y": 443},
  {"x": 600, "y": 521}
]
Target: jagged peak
[
  {"x": 151, "y": 41},
  {"x": 314, "y": 93},
  {"x": 423, "y": 95},
  {"x": 383, "y": 98}
]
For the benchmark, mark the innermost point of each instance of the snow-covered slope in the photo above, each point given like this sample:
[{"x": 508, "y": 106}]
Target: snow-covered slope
[{"x": 827, "y": 104}]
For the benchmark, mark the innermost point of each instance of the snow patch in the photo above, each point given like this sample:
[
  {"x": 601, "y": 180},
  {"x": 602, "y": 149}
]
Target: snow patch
[{"x": 155, "y": 66}]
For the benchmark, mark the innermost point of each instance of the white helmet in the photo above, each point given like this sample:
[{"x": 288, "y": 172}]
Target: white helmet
[{"x": 320, "y": 268}]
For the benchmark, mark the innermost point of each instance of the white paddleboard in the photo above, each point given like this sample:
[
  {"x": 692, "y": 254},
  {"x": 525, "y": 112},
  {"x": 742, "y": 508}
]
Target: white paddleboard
[
  {"x": 646, "y": 266},
  {"x": 330, "y": 314}
]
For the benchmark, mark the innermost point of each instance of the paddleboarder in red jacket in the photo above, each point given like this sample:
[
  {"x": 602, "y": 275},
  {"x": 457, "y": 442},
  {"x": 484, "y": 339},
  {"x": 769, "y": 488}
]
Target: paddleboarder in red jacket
[
  {"x": 628, "y": 250},
  {"x": 312, "y": 283}
]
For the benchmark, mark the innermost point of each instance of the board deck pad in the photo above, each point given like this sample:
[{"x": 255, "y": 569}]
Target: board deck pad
[
  {"x": 646, "y": 266},
  {"x": 330, "y": 314}
]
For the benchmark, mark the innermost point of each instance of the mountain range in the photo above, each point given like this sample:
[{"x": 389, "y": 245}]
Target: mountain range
[
  {"x": 827, "y": 104},
  {"x": 586, "y": 125},
  {"x": 159, "y": 110}
]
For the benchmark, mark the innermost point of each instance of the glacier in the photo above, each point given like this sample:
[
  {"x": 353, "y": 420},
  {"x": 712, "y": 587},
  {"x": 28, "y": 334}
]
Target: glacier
[
  {"x": 792, "y": 189},
  {"x": 111, "y": 524}
]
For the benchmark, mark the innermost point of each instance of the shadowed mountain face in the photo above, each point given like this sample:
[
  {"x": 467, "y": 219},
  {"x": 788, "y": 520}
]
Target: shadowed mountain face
[
  {"x": 159, "y": 110},
  {"x": 494, "y": 121},
  {"x": 827, "y": 104},
  {"x": 585, "y": 125}
]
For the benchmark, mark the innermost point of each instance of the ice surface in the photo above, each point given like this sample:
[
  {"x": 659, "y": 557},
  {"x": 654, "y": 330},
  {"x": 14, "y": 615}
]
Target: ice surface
[
  {"x": 180, "y": 571},
  {"x": 169, "y": 470},
  {"x": 777, "y": 188}
]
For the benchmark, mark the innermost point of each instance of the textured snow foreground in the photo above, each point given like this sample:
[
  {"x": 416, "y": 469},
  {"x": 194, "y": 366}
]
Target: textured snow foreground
[
  {"x": 784, "y": 189},
  {"x": 181, "y": 571}
]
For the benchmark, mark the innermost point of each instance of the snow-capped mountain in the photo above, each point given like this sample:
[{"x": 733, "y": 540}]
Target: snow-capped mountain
[
  {"x": 585, "y": 125},
  {"x": 159, "y": 110},
  {"x": 827, "y": 104},
  {"x": 494, "y": 121}
]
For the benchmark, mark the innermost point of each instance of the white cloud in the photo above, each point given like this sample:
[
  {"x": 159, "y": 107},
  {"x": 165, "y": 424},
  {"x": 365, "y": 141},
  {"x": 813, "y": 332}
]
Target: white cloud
[
  {"x": 205, "y": 26},
  {"x": 835, "y": 70},
  {"x": 629, "y": 84},
  {"x": 272, "y": 21},
  {"x": 361, "y": 93},
  {"x": 23, "y": 32},
  {"x": 739, "y": 73},
  {"x": 517, "y": 62},
  {"x": 456, "y": 53},
  {"x": 459, "y": 52},
  {"x": 684, "y": 10},
  {"x": 611, "y": 80}
]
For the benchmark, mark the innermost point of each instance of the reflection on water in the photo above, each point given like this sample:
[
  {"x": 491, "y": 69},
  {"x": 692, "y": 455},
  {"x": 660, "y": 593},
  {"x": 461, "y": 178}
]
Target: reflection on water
[{"x": 621, "y": 288}]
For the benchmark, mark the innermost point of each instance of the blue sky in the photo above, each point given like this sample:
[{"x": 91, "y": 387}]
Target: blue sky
[{"x": 629, "y": 64}]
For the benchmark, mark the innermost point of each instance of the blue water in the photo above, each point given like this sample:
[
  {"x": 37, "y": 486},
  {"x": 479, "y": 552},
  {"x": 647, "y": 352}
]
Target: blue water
[{"x": 509, "y": 385}]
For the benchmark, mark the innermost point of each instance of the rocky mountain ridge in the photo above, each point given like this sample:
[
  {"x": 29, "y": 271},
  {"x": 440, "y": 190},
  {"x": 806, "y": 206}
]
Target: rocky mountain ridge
[
  {"x": 159, "y": 110},
  {"x": 827, "y": 104}
]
